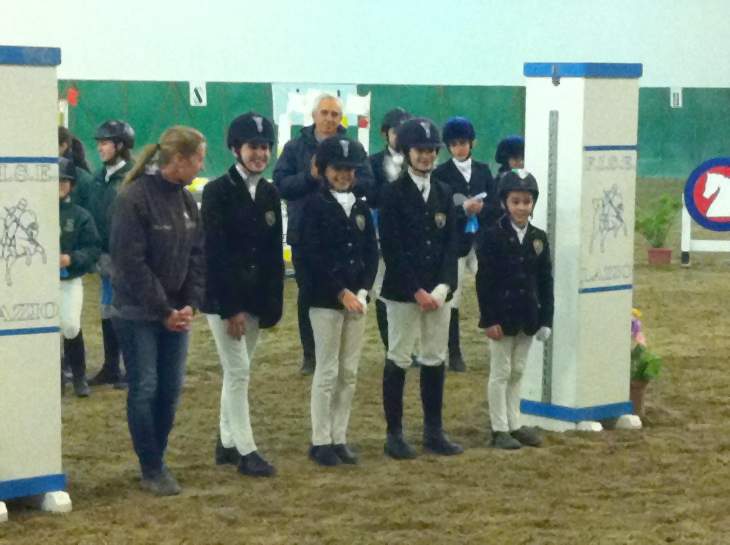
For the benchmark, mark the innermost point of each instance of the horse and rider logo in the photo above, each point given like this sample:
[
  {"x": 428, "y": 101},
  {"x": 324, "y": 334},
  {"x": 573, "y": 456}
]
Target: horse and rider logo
[
  {"x": 707, "y": 194},
  {"x": 19, "y": 237},
  {"x": 608, "y": 217},
  {"x": 270, "y": 218},
  {"x": 440, "y": 220},
  {"x": 360, "y": 222}
]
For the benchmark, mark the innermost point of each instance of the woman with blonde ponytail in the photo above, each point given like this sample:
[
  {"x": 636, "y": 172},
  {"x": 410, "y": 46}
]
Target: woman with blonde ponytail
[{"x": 156, "y": 250}]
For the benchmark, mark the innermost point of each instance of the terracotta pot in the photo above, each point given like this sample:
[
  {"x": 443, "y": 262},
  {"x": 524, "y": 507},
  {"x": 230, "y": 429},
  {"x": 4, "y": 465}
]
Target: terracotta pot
[
  {"x": 636, "y": 394},
  {"x": 660, "y": 256}
]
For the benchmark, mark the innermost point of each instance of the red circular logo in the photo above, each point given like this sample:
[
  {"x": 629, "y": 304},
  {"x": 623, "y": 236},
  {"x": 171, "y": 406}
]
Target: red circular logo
[{"x": 707, "y": 194}]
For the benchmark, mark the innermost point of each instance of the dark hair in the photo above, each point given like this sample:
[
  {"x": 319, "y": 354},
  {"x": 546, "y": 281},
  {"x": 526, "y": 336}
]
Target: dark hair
[{"x": 75, "y": 151}]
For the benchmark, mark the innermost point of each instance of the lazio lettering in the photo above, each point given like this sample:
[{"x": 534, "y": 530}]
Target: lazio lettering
[{"x": 28, "y": 312}]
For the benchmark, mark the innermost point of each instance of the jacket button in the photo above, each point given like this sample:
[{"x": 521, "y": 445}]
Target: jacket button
[
  {"x": 428, "y": 242},
  {"x": 352, "y": 262},
  {"x": 349, "y": 244}
]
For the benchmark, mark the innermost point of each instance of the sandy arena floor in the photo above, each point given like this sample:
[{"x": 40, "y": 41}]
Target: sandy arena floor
[{"x": 667, "y": 483}]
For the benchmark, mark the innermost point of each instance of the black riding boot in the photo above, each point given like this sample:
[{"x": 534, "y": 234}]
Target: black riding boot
[
  {"x": 306, "y": 335},
  {"x": 432, "y": 395},
  {"x": 456, "y": 361},
  {"x": 394, "y": 380},
  {"x": 381, "y": 313},
  {"x": 74, "y": 354},
  {"x": 110, "y": 372}
]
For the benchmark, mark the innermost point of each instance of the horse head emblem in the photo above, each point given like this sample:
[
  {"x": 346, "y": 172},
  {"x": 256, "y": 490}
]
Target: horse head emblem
[
  {"x": 259, "y": 123},
  {"x": 345, "y": 145},
  {"x": 717, "y": 189}
]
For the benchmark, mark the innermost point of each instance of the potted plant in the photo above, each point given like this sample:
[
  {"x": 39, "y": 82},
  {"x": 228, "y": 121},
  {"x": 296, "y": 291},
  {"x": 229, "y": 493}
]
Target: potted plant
[
  {"x": 645, "y": 365},
  {"x": 654, "y": 223}
]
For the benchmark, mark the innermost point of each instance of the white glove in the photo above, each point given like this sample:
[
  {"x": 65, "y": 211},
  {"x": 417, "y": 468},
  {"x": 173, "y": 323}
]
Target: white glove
[
  {"x": 362, "y": 296},
  {"x": 543, "y": 334},
  {"x": 439, "y": 293}
]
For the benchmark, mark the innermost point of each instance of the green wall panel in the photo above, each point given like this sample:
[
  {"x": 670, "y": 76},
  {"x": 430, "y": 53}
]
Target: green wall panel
[
  {"x": 671, "y": 141},
  {"x": 151, "y": 107},
  {"x": 495, "y": 111}
]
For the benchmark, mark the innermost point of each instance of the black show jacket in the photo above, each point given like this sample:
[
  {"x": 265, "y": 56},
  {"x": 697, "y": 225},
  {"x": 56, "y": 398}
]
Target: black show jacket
[
  {"x": 418, "y": 239},
  {"x": 243, "y": 249},
  {"x": 514, "y": 281},
  {"x": 481, "y": 182},
  {"x": 338, "y": 251}
]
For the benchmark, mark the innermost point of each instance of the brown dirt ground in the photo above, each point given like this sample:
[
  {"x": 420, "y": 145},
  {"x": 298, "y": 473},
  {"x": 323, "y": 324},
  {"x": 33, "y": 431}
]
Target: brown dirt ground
[{"x": 667, "y": 483}]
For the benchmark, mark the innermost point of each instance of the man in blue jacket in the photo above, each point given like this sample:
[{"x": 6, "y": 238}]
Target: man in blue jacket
[{"x": 295, "y": 180}]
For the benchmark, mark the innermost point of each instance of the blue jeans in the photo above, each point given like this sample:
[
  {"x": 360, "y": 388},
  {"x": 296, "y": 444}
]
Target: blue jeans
[{"x": 155, "y": 362}]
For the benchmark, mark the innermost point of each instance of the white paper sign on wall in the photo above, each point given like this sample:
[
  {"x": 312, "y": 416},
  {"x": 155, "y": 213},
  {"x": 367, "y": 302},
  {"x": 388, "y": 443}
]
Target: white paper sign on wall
[{"x": 198, "y": 93}]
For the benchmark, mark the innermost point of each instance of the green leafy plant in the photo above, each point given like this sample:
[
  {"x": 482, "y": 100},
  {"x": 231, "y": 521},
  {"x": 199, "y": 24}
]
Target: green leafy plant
[
  {"x": 645, "y": 365},
  {"x": 654, "y": 221}
]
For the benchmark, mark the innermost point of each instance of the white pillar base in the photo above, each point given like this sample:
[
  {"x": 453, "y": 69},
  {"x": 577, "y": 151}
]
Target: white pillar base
[
  {"x": 56, "y": 502},
  {"x": 589, "y": 425},
  {"x": 3, "y": 512},
  {"x": 552, "y": 424},
  {"x": 628, "y": 422}
]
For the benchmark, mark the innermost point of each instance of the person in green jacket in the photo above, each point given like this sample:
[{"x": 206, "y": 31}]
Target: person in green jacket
[
  {"x": 114, "y": 140},
  {"x": 79, "y": 251},
  {"x": 72, "y": 149}
]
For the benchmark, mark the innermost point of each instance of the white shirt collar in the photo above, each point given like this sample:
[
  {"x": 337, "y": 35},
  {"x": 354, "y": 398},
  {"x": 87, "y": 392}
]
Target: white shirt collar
[
  {"x": 252, "y": 181},
  {"x": 423, "y": 183},
  {"x": 346, "y": 200},
  {"x": 464, "y": 167},
  {"x": 392, "y": 164},
  {"x": 521, "y": 231},
  {"x": 114, "y": 168}
]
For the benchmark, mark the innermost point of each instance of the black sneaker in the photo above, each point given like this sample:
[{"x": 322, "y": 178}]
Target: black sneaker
[
  {"x": 324, "y": 455},
  {"x": 505, "y": 441},
  {"x": 397, "y": 447},
  {"x": 529, "y": 437},
  {"x": 345, "y": 454},
  {"x": 225, "y": 455},
  {"x": 162, "y": 484},
  {"x": 122, "y": 383},
  {"x": 81, "y": 387},
  {"x": 307, "y": 368},
  {"x": 254, "y": 465},
  {"x": 104, "y": 376},
  {"x": 438, "y": 442},
  {"x": 456, "y": 363}
]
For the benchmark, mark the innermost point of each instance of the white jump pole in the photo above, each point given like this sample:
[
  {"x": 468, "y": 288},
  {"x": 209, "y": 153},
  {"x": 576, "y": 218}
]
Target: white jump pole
[
  {"x": 580, "y": 135},
  {"x": 30, "y": 405}
]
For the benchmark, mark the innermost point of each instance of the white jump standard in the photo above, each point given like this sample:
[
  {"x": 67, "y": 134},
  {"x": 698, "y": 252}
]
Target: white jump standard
[
  {"x": 30, "y": 404},
  {"x": 581, "y": 130}
]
